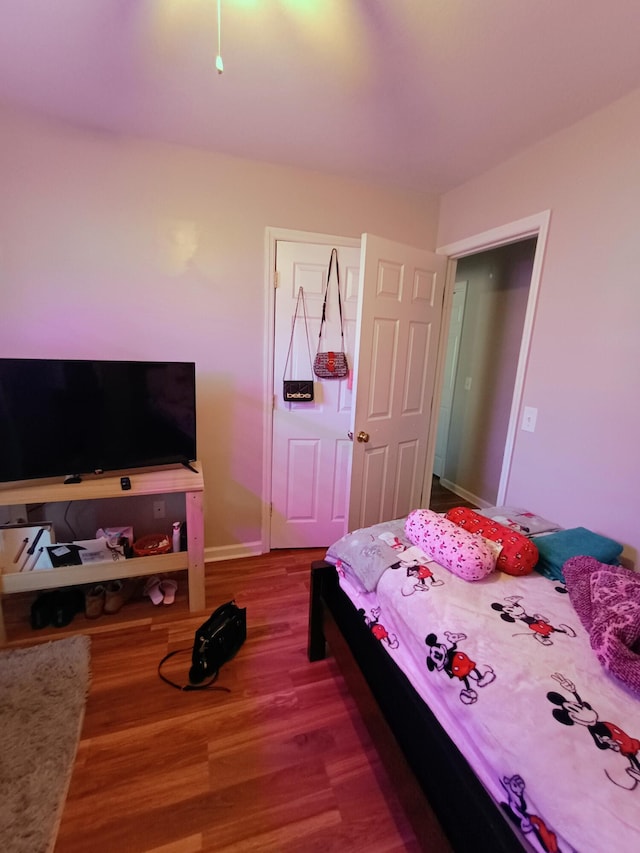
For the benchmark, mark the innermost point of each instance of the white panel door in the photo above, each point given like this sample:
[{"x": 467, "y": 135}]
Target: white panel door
[
  {"x": 449, "y": 381},
  {"x": 398, "y": 329},
  {"x": 311, "y": 459}
]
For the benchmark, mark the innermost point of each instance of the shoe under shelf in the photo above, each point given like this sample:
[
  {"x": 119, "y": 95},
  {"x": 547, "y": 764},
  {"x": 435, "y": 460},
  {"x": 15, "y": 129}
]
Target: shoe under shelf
[
  {"x": 137, "y": 612},
  {"x": 12, "y": 583}
]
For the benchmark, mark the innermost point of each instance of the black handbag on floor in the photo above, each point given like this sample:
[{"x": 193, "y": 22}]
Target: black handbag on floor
[{"x": 216, "y": 641}]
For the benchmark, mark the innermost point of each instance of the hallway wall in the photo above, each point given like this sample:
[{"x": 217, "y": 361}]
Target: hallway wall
[{"x": 496, "y": 304}]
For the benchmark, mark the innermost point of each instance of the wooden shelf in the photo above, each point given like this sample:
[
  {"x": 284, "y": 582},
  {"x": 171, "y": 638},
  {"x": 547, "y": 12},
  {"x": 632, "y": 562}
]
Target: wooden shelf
[
  {"x": 95, "y": 486},
  {"x": 146, "y": 482},
  {"x": 74, "y": 575}
]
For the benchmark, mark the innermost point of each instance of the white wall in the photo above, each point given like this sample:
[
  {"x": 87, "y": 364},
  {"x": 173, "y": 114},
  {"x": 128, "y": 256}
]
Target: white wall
[
  {"x": 116, "y": 248},
  {"x": 581, "y": 466}
]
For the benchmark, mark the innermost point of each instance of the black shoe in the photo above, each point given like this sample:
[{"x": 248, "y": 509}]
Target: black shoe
[
  {"x": 42, "y": 610},
  {"x": 66, "y": 603}
]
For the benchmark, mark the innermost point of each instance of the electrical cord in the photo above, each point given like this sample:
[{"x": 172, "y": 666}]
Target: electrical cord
[{"x": 68, "y": 523}]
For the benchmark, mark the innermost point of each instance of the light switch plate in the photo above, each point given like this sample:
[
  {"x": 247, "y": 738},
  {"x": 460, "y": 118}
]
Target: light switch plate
[{"x": 529, "y": 418}]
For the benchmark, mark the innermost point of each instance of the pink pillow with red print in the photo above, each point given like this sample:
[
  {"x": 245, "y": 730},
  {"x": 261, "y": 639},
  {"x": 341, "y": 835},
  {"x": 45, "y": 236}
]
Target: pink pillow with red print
[
  {"x": 463, "y": 553},
  {"x": 518, "y": 555}
]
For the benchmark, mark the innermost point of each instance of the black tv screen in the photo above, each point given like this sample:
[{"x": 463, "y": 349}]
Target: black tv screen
[{"x": 72, "y": 417}]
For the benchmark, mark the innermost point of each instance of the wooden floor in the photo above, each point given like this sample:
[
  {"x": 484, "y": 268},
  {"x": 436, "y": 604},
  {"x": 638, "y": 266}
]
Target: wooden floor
[
  {"x": 281, "y": 763},
  {"x": 442, "y": 499}
]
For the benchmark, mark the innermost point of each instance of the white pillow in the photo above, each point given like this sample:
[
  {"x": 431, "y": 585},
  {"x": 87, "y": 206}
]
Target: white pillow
[{"x": 520, "y": 520}]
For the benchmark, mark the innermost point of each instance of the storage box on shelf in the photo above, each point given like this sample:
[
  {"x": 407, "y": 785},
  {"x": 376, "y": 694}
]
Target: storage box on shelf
[{"x": 147, "y": 482}]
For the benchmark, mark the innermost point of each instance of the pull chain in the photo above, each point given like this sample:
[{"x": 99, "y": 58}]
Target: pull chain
[{"x": 219, "y": 63}]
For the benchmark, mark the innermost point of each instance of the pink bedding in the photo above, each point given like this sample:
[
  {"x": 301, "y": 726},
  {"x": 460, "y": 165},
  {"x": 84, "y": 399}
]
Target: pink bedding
[{"x": 508, "y": 669}]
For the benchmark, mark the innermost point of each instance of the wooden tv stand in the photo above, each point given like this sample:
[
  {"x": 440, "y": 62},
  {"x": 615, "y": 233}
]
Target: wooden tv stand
[{"x": 145, "y": 482}]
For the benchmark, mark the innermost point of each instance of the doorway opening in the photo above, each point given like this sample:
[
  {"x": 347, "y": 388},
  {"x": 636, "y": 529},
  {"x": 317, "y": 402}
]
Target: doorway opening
[
  {"x": 485, "y": 334},
  {"x": 510, "y": 258}
]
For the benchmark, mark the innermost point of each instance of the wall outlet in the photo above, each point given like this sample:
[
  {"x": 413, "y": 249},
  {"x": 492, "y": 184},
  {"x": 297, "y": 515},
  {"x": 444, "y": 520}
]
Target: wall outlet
[
  {"x": 529, "y": 418},
  {"x": 158, "y": 509}
]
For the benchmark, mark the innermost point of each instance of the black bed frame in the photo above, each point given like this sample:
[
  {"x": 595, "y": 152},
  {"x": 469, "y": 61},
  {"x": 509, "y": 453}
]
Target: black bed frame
[{"x": 420, "y": 759}]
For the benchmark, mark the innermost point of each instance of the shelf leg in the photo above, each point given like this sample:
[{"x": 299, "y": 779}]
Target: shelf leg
[
  {"x": 3, "y": 633},
  {"x": 195, "y": 547}
]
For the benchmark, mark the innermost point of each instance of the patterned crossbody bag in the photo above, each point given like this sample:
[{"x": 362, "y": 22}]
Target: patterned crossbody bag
[{"x": 331, "y": 365}]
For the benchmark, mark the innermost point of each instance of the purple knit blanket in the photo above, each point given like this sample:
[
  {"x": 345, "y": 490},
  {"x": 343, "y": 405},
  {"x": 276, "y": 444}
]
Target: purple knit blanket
[{"x": 607, "y": 600}]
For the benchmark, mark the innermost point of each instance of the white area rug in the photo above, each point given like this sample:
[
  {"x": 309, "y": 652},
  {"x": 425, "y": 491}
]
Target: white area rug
[{"x": 43, "y": 691}]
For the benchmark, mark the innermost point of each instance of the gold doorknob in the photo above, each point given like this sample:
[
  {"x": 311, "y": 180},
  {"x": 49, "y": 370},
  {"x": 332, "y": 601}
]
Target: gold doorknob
[{"x": 363, "y": 436}]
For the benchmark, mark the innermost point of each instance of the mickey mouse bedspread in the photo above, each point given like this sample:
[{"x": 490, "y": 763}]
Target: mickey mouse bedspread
[{"x": 507, "y": 668}]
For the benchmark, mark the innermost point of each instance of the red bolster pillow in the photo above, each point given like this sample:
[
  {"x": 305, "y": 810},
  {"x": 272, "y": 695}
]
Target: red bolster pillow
[{"x": 518, "y": 556}]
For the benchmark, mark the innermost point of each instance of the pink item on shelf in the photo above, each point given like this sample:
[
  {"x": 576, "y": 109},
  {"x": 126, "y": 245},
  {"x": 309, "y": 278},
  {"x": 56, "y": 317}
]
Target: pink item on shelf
[
  {"x": 466, "y": 555},
  {"x": 168, "y": 588},
  {"x": 152, "y": 590}
]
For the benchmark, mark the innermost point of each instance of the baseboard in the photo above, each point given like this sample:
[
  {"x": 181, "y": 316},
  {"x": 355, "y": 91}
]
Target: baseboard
[
  {"x": 464, "y": 494},
  {"x": 233, "y": 552}
]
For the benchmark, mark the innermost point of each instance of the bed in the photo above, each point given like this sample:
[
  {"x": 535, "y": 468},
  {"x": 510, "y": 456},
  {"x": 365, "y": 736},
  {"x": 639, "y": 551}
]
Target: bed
[{"x": 489, "y": 692}]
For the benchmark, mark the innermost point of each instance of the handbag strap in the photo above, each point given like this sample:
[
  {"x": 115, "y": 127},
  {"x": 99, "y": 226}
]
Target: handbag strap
[
  {"x": 334, "y": 254},
  {"x": 188, "y": 687},
  {"x": 299, "y": 301}
]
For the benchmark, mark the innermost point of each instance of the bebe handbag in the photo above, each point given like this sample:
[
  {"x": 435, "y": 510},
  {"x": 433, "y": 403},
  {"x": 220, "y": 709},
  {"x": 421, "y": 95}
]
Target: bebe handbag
[
  {"x": 216, "y": 641},
  {"x": 329, "y": 364},
  {"x": 298, "y": 390}
]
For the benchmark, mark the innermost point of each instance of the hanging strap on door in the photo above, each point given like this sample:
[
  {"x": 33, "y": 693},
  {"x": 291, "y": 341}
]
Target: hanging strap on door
[
  {"x": 334, "y": 254},
  {"x": 299, "y": 302}
]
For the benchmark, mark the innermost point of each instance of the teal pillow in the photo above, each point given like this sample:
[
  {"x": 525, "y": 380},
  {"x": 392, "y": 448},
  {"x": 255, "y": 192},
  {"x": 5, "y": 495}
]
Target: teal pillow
[{"x": 556, "y": 548}]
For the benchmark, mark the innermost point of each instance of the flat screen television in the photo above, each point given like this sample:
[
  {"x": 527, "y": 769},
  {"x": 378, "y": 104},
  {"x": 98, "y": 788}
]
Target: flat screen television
[{"x": 63, "y": 417}]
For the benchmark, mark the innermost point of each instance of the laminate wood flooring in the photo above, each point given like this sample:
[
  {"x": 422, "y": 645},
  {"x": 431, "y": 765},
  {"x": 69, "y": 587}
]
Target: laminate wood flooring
[
  {"x": 442, "y": 499},
  {"x": 282, "y": 762}
]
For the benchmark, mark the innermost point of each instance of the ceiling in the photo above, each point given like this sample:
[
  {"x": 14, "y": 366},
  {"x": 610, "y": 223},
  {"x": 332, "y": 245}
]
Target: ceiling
[{"x": 417, "y": 94}]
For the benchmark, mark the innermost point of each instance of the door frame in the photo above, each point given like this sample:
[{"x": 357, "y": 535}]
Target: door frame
[
  {"x": 454, "y": 366},
  {"x": 536, "y": 225},
  {"x": 271, "y": 237}
]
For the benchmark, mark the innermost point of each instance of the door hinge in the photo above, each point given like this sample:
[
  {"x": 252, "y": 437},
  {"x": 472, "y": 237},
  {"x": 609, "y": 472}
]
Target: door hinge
[{"x": 276, "y": 279}]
